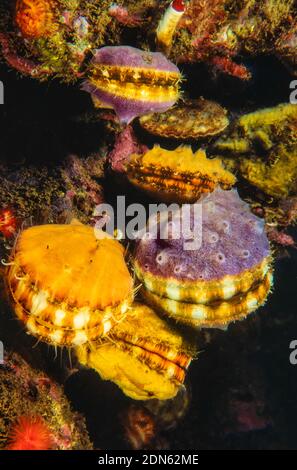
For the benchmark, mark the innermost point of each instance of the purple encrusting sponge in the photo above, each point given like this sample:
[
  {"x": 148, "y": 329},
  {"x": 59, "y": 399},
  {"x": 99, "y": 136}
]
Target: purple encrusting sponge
[
  {"x": 132, "y": 82},
  {"x": 233, "y": 240},
  {"x": 208, "y": 263}
]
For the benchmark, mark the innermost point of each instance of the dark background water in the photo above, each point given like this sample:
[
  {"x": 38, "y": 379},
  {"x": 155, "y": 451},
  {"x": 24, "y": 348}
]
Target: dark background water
[{"x": 243, "y": 388}]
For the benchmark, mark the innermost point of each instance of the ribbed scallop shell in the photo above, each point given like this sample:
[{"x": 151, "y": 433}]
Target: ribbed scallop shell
[
  {"x": 225, "y": 275},
  {"x": 177, "y": 175},
  {"x": 132, "y": 82},
  {"x": 188, "y": 121},
  {"x": 67, "y": 286},
  {"x": 146, "y": 358},
  {"x": 215, "y": 314}
]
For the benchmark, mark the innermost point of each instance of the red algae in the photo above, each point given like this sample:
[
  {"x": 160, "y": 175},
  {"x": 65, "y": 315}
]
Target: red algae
[{"x": 7, "y": 223}]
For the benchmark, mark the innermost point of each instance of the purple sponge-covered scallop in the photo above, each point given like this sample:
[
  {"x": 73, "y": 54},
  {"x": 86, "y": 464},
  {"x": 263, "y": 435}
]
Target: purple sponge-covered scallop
[
  {"x": 216, "y": 271},
  {"x": 132, "y": 82}
]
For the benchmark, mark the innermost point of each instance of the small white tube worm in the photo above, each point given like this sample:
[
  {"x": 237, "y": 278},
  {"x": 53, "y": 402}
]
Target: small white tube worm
[{"x": 168, "y": 23}]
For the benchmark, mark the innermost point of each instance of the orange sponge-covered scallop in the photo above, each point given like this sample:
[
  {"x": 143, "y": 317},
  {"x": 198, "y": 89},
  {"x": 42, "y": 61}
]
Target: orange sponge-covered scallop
[{"x": 68, "y": 286}]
